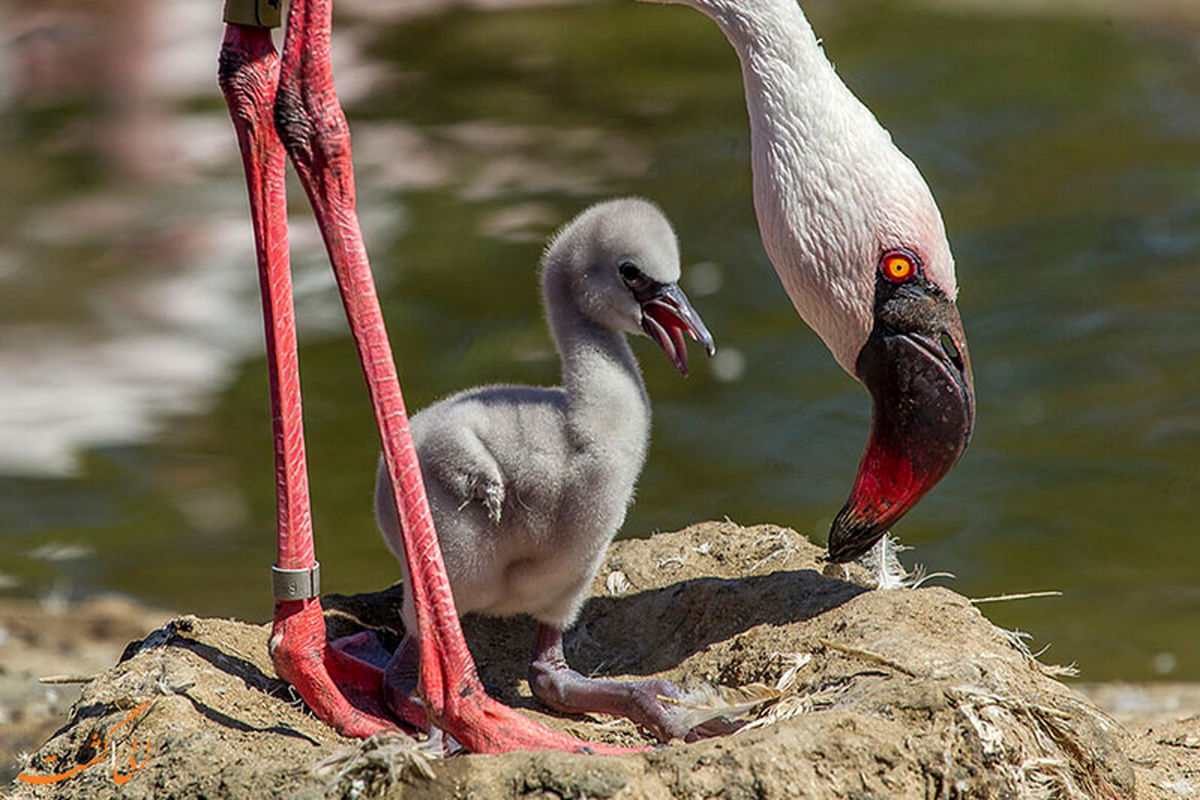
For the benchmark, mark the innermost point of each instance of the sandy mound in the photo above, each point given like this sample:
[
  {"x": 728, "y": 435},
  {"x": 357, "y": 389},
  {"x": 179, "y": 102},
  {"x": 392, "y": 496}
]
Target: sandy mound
[
  {"x": 906, "y": 694},
  {"x": 39, "y": 639}
]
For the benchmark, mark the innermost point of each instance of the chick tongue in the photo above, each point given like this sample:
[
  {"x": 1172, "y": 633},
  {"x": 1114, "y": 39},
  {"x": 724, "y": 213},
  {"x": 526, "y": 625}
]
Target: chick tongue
[{"x": 666, "y": 327}]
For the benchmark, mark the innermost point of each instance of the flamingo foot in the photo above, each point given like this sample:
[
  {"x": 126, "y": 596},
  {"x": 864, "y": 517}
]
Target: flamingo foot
[
  {"x": 363, "y": 646},
  {"x": 563, "y": 689},
  {"x": 344, "y": 685},
  {"x": 342, "y": 691},
  {"x": 484, "y": 725}
]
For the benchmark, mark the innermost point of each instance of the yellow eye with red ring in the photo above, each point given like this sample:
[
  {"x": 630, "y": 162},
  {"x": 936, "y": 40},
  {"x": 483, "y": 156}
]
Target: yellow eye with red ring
[{"x": 899, "y": 265}]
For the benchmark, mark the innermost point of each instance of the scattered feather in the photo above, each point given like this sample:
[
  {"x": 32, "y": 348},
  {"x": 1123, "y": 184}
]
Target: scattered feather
[
  {"x": 672, "y": 561},
  {"x": 373, "y": 765},
  {"x": 1019, "y": 639},
  {"x": 1059, "y": 670},
  {"x": 784, "y": 549},
  {"x": 707, "y": 702},
  {"x": 1048, "y": 779},
  {"x": 786, "y": 708},
  {"x": 883, "y": 562},
  {"x": 989, "y": 734},
  {"x": 919, "y": 576},
  {"x": 997, "y": 598},
  {"x": 617, "y": 583},
  {"x": 795, "y": 662},
  {"x": 795, "y": 704},
  {"x": 1045, "y": 775}
]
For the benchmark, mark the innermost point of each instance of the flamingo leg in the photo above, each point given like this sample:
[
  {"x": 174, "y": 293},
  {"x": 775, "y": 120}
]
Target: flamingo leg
[
  {"x": 249, "y": 74},
  {"x": 296, "y": 94}
]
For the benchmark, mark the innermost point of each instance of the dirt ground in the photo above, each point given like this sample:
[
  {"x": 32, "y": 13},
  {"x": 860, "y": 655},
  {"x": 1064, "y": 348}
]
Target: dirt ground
[
  {"x": 38, "y": 641},
  {"x": 906, "y": 693}
]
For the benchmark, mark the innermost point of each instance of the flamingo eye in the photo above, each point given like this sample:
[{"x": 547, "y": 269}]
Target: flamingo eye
[{"x": 898, "y": 265}]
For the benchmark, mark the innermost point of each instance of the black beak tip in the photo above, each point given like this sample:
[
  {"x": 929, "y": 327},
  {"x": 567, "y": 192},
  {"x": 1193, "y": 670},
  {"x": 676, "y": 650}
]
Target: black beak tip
[{"x": 850, "y": 539}]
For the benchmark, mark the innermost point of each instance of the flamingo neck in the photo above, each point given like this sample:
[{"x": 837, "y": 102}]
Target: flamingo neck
[{"x": 818, "y": 158}]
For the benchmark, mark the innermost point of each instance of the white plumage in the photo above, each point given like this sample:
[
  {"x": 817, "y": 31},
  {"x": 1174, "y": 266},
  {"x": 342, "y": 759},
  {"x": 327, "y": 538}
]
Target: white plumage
[{"x": 831, "y": 189}]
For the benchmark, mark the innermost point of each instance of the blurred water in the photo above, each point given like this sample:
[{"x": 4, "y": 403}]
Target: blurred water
[{"x": 1065, "y": 153}]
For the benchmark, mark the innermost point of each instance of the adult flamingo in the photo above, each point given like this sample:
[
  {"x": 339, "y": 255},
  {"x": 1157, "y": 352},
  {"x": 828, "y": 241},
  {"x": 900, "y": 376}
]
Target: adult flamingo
[
  {"x": 287, "y": 105},
  {"x": 859, "y": 245}
]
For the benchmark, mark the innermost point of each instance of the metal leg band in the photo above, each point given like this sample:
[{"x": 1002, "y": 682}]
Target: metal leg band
[
  {"x": 296, "y": 584},
  {"x": 255, "y": 13}
]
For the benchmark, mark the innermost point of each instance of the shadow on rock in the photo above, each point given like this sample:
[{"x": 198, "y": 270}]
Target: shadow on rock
[
  {"x": 644, "y": 633},
  {"x": 657, "y": 629}
]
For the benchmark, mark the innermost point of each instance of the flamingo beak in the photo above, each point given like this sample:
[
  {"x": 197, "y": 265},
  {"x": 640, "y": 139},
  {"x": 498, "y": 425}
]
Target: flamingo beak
[
  {"x": 916, "y": 366},
  {"x": 667, "y": 315}
]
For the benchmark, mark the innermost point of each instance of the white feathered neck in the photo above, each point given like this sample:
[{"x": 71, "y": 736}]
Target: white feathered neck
[{"x": 831, "y": 190}]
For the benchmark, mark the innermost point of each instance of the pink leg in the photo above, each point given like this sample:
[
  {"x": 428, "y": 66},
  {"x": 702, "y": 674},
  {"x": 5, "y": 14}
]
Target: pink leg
[
  {"x": 249, "y": 73},
  {"x": 314, "y": 132}
]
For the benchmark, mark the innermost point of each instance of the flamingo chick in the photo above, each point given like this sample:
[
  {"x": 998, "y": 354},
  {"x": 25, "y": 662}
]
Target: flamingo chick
[
  {"x": 528, "y": 485},
  {"x": 859, "y": 245}
]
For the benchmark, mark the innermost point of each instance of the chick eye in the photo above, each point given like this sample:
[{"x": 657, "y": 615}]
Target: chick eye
[
  {"x": 898, "y": 265},
  {"x": 631, "y": 274}
]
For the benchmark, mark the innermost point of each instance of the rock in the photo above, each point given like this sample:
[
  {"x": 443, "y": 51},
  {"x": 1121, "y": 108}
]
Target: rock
[
  {"x": 39, "y": 640},
  {"x": 905, "y": 694}
]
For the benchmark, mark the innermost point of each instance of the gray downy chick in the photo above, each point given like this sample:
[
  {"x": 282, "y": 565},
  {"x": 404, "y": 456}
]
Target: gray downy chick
[{"x": 528, "y": 485}]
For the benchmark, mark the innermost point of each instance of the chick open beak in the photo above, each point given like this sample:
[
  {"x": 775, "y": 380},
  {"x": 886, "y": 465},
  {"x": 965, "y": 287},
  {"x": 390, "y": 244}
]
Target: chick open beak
[{"x": 667, "y": 315}]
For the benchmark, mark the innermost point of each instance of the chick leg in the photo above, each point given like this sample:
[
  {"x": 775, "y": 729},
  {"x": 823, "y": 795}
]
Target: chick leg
[{"x": 557, "y": 685}]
